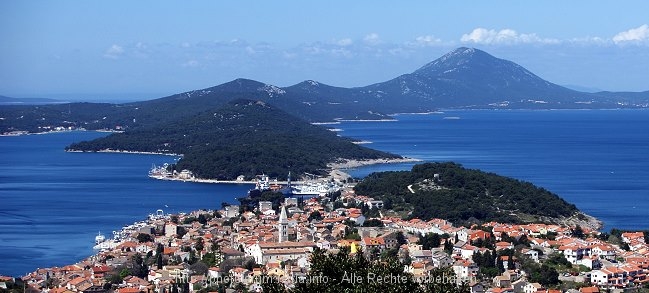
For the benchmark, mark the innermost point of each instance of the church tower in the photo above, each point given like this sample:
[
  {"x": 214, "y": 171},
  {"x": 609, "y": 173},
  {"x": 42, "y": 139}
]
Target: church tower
[{"x": 283, "y": 226}]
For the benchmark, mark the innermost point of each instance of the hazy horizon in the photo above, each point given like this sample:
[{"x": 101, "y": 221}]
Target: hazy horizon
[{"x": 155, "y": 48}]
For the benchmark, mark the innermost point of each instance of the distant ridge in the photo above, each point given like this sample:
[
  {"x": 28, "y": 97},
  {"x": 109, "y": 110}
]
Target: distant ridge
[
  {"x": 462, "y": 78},
  {"x": 4, "y": 100}
]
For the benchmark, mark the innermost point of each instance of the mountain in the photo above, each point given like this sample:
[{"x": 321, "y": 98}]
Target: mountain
[
  {"x": 471, "y": 78},
  {"x": 241, "y": 137},
  {"x": 463, "y": 78},
  {"x": 449, "y": 191}
]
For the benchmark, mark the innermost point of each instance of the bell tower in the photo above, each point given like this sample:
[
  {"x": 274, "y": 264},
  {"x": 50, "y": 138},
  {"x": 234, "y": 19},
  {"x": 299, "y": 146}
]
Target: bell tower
[{"x": 283, "y": 226}]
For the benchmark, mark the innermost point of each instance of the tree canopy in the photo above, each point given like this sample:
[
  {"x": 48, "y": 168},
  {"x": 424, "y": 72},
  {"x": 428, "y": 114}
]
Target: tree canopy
[{"x": 449, "y": 191}]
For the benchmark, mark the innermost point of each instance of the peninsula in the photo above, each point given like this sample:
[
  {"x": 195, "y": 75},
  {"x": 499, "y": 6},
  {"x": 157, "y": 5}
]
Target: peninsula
[{"x": 315, "y": 245}]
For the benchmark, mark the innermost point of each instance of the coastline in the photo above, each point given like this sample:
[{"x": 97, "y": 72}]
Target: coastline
[
  {"x": 24, "y": 132},
  {"x": 347, "y": 164},
  {"x": 126, "y": 152},
  {"x": 335, "y": 171}
]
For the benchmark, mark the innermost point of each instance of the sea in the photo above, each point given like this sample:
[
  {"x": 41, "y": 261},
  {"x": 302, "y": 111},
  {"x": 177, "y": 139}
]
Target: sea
[{"x": 53, "y": 203}]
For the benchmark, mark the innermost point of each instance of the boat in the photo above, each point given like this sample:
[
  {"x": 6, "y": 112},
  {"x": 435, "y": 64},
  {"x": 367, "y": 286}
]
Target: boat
[
  {"x": 101, "y": 243},
  {"x": 160, "y": 172},
  {"x": 99, "y": 238},
  {"x": 263, "y": 182},
  {"x": 314, "y": 189}
]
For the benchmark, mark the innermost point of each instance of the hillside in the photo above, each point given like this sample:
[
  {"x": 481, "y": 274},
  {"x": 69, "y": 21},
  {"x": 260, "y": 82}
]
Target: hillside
[
  {"x": 449, "y": 191},
  {"x": 462, "y": 78},
  {"x": 242, "y": 137}
]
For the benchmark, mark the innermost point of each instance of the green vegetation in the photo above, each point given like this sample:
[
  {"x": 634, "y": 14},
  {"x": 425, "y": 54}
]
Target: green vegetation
[
  {"x": 342, "y": 272},
  {"x": 241, "y": 138},
  {"x": 430, "y": 240},
  {"x": 544, "y": 274},
  {"x": 449, "y": 191}
]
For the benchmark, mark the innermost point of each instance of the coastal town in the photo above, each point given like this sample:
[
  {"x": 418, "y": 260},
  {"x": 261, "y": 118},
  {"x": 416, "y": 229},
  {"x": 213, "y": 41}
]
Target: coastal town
[{"x": 231, "y": 249}]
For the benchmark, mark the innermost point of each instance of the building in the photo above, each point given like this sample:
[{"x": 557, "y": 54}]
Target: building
[
  {"x": 282, "y": 226},
  {"x": 265, "y": 252}
]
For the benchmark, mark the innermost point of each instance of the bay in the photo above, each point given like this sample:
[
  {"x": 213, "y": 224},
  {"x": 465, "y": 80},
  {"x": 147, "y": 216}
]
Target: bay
[
  {"x": 596, "y": 159},
  {"x": 53, "y": 203}
]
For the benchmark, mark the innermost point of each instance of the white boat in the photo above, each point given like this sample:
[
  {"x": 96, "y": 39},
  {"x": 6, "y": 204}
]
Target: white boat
[
  {"x": 99, "y": 238},
  {"x": 314, "y": 189},
  {"x": 160, "y": 172}
]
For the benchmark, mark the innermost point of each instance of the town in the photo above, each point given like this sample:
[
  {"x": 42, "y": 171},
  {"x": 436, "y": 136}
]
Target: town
[{"x": 233, "y": 249}]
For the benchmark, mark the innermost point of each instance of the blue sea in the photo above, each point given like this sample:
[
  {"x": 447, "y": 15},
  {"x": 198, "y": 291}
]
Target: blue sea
[{"x": 53, "y": 203}]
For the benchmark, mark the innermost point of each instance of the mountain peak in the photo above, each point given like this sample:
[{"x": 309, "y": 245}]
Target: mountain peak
[
  {"x": 242, "y": 83},
  {"x": 455, "y": 58}
]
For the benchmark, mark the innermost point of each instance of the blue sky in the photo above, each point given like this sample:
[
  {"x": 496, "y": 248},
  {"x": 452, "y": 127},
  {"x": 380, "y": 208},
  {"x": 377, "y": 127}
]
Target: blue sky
[{"x": 145, "y": 49}]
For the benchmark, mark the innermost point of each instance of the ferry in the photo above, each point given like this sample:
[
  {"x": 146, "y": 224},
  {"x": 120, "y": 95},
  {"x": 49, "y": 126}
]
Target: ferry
[{"x": 314, "y": 189}]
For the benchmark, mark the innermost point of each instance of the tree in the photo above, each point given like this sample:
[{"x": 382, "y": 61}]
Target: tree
[
  {"x": 373, "y": 223},
  {"x": 199, "y": 245},
  {"x": 430, "y": 240},
  {"x": 139, "y": 268},
  {"x": 202, "y": 219},
  {"x": 144, "y": 237},
  {"x": 199, "y": 268},
  {"x": 125, "y": 272},
  {"x": 448, "y": 247},
  {"x": 315, "y": 215},
  {"x": 180, "y": 231},
  {"x": 578, "y": 232},
  {"x": 400, "y": 238}
]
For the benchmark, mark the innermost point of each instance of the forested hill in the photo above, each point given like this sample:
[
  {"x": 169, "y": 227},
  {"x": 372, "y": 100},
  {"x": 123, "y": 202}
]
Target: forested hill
[
  {"x": 449, "y": 191},
  {"x": 243, "y": 137}
]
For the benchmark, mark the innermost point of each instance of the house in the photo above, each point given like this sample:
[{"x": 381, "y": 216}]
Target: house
[
  {"x": 171, "y": 229},
  {"x": 591, "y": 262},
  {"x": 79, "y": 284},
  {"x": 231, "y": 211},
  {"x": 618, "y": 276},
  {"x": 465, "y": 271},
  {"x": 502, "y": 281},
  {"x": 421, "y": 255},
  {"x": 604, "y": 251},
  {"x": 369, "y": 244},
  {"x": 504, "y": 245},
  {"x": 574, "y": 252},
  {"x": 135, "y": 282},
  {"x": 129, "y": 290},
  {"x": 467, "y": 251},
  {"x": 533, "y": 288},
  {"x": 265, "y": 206},
  {"x": 441, "y": 260},
  {"x": 479, "y": 234},
  {"x": 519, "y": 285},
  {"x": 476, "y": 287},
  {"x": 229, "y": 253},
  {"x": 240, "y": 275},
  {"x": 531, "y": 253},
  {"x": 629, "y": 237}
]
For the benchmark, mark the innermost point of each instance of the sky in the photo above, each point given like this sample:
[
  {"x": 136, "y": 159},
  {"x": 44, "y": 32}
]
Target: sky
[{"x": 147, "y": 49}]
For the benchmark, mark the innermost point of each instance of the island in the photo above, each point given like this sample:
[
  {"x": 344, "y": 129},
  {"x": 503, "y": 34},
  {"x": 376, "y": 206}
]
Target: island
[{"x": 242, "y": 138}]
